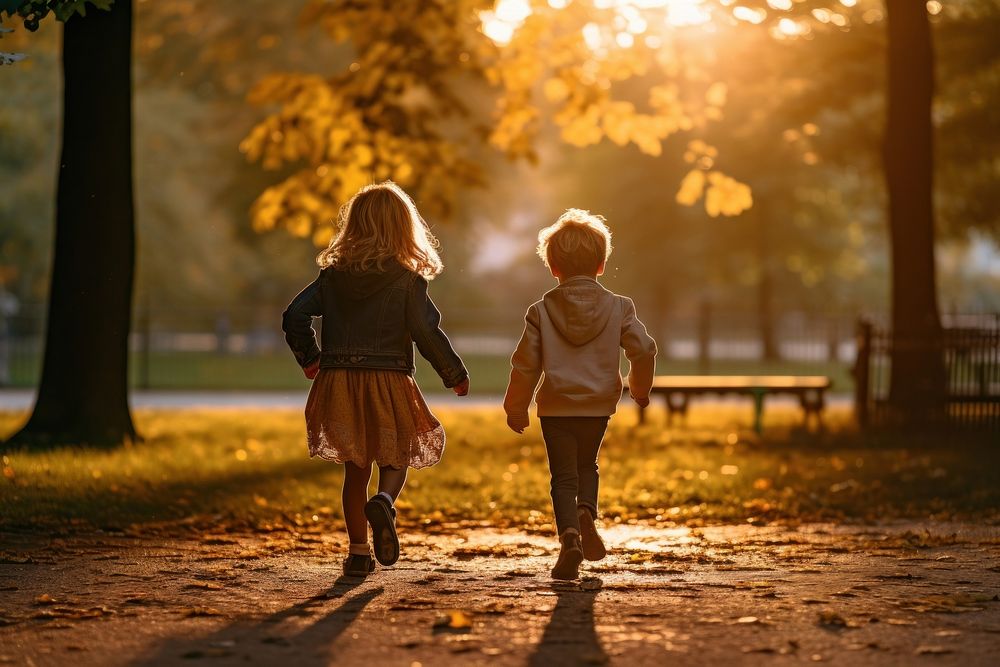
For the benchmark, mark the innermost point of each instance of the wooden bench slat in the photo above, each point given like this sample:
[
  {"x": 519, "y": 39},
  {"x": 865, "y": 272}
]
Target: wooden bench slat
[{"x": 708, "y": 382}]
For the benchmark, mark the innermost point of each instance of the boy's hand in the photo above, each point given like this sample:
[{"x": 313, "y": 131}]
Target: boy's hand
[
  {"x": 641, "y": 401},
  {"x": 462, "y": 388},
  {"x": 312, "y": 370},
  {"x": 517, "y": 423}
]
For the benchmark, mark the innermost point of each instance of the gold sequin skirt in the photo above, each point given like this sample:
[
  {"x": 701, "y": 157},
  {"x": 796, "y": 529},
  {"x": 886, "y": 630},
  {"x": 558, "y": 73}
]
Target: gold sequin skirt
[{"x": 365, "y": 415}]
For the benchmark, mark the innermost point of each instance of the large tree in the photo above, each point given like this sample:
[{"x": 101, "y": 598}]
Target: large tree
[
  {"x": 83, "y": 394},
  {"x": 917, "y": 382}
]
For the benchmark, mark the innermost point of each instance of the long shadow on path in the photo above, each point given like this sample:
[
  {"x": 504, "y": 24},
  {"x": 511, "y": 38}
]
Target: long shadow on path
[
  {"x": 570, "y": 638},
  {"x": 265, "y": 642}
]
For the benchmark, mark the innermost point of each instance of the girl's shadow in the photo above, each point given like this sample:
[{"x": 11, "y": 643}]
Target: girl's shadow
[
  {"x": 262, "y": 642},
  {"x": 570, "y": 638}
]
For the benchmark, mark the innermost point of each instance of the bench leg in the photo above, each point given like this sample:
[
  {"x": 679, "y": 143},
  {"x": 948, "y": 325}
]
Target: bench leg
[
  {"x": 812, "y": 406},
  {"x": 758, "y": 411},
  {"x": 677, "y": 404}
]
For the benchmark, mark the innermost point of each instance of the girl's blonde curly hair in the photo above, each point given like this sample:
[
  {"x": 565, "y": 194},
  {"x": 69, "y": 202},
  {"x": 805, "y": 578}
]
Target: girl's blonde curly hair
[{"x": 382, "y": 223}]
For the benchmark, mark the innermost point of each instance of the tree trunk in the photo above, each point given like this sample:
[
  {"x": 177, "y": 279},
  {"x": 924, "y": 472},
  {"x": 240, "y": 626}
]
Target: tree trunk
[
  {"x": 917, "y": 381},
  {"x": 83, "y": 394}
]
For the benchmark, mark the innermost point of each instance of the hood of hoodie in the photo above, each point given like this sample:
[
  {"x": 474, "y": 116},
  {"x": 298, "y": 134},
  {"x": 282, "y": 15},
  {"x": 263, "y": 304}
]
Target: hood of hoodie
[
  {"x": 579, "y": 308},
  {"x": 358, "y": 286}
]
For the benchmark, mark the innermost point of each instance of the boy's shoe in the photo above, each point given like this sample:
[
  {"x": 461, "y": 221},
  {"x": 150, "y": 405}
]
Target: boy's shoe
[
  {"x": 593, "y": 545},
  {"x": 567, "y": 566},
  {"x": 382, "y": 518},
  {"x": 356, "y": 565}
]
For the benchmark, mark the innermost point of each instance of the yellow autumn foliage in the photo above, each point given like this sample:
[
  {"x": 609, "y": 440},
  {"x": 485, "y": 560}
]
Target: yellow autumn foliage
[
  {"x": 715, "y": 96},
  {"x": 392, "y": 112},
  {"x": 726, "y": 196},
  {"x": 692, "y": 187}
]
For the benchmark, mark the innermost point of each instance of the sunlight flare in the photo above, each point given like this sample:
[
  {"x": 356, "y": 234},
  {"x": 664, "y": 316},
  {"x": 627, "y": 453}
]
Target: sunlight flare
[{"x": 629, "y": 18}]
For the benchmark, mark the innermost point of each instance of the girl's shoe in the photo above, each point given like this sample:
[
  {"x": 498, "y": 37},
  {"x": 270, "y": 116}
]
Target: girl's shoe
[
  {"x": 382, "y": 517},
  {"x": 567, "y": 566},
  {"x": 356, "y": 565},
  {"x": 593, "y": 545}
]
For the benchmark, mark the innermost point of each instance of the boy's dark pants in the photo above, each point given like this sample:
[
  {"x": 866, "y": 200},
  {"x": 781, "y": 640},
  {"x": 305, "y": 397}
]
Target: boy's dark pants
[{"x": 572, "y": 444}]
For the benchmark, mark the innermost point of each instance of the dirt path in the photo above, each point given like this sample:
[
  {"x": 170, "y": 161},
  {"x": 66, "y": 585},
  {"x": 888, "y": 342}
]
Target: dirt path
[{"x": 904, "y": 594}]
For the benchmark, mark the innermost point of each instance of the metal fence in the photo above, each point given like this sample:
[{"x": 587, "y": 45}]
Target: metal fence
[
  {"x": 970, "y": 350},
  {"x": 710, "y": 335}
]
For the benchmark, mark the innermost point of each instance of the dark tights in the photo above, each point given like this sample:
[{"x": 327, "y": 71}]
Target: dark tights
[{"x": 390, "y": 480}]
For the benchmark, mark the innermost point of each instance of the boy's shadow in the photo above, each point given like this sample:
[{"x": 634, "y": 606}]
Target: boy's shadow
[
  {"x": 570, "y": 638},
  {"x": 262, "y": 642}
]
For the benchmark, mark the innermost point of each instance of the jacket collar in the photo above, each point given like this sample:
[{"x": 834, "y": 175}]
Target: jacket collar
[{"x": 577, "y": 279}]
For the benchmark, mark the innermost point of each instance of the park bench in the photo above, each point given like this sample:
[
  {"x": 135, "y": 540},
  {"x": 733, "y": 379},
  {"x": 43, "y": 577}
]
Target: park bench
[{"x": 678, "y": 390}]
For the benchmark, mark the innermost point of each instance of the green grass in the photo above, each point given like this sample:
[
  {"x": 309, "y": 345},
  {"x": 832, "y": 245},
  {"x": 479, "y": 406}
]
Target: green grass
[
  {"x": 248, "y": 469},
  {"x": 277, "y": 371}
]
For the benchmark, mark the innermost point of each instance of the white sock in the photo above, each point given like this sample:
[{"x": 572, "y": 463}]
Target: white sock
[
  {"x": 360, "y": 549},
  {"x": 387, "y": 497}
]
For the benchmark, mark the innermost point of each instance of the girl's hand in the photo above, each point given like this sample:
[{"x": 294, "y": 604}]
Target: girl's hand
[
  {"x": 517, "y": 423},
  {"x": 312, "y": 370},
  {"x": 641, "y": 401},
  {"x": 462, "y": 388}
]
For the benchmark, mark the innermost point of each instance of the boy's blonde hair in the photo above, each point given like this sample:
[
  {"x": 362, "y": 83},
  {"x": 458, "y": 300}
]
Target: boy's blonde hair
[
  {"x": 381, "y": 223},
  {"x": 577, "y": 244}
]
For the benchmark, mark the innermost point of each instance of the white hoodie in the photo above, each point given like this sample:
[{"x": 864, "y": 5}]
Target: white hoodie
[{"x": 572, "y": 339}]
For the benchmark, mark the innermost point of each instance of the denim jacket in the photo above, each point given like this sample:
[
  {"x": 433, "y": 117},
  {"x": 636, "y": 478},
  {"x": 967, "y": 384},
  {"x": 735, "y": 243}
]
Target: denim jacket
[{"x": 370, "y": 320}]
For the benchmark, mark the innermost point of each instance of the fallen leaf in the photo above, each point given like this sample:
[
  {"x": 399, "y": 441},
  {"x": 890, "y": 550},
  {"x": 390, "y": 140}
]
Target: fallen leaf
[
  {"x": 204, "y": 585},
  {"x": 72, "y": 613},
  {"x": 947, "y": 633},
  {"x": 759, "y": 649},
  {"x": 468, "y": 553},
  {"x": 454, "y": 620}
]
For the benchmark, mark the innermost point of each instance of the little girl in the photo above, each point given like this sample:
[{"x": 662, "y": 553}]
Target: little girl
[{"x": 364, "y": 405}]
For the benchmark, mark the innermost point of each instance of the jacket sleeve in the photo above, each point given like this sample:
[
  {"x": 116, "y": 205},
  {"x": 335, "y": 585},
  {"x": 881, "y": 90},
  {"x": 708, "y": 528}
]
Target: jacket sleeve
[
  {"x": 296, "y": 322},
  {"x": 640, "y": 350},
  {"x": 423, "y": 320},
  {"x": 526, "y": 367}
]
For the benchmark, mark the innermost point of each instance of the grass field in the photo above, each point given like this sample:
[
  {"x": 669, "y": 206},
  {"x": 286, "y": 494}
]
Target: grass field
[
  {"x": 277, "y": 371},
  {"x": 247, "y": 468}
]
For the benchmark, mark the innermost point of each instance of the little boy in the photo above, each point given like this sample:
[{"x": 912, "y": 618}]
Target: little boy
[{"x": 571, "y": 340}]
